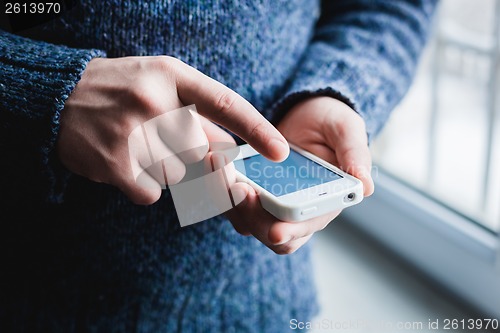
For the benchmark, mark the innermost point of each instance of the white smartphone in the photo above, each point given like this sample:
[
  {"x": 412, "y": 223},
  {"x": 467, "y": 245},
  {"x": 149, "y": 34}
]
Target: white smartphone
[{"x": 301, "y": 187}]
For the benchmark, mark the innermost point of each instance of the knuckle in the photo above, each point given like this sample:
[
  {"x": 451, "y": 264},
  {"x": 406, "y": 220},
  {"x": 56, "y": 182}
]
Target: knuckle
[
  {"x": 144, "y": 98},
  {"x": 166, "y": 64},
  {"x": 284, "y": 249},
  {"x": 154, "y": 82},
  {"x": 225, "y": 101},
  {"x": 162, "y": 62},
  {"x": 257, "y": 129}
]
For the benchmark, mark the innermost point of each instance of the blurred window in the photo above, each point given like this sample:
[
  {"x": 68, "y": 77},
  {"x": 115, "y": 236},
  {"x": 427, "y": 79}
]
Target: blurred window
[{"x": 443, "y": 139}]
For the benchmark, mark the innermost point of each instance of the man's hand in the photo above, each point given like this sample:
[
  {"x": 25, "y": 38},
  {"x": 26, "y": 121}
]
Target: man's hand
[
  {"x": 331, "y": 130},
  {"x": 115, "y": 96}
]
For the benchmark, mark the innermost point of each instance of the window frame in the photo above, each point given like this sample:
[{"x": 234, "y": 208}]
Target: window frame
[{"x": 458, "y": 254}]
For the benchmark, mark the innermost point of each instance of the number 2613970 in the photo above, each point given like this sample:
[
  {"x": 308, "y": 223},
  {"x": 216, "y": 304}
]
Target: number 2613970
[{"x": 32, "y": 8}]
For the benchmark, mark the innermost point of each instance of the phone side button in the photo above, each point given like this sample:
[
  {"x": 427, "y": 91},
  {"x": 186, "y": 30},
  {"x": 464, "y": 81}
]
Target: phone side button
[{"x": 308, "y": 211}]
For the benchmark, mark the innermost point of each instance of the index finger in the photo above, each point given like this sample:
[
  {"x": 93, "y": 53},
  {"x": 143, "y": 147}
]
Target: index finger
[{"x": 225, "y": 107}]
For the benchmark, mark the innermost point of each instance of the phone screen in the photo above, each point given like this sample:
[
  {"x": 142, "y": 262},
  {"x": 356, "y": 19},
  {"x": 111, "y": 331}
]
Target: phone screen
[{"x": 296, "y": 173}]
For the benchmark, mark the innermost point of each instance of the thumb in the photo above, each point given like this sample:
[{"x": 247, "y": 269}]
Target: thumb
[{"x": 357, "y": 162}]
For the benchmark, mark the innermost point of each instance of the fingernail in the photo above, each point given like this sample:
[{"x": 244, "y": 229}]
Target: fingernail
[{"x": 279, "y": 148}]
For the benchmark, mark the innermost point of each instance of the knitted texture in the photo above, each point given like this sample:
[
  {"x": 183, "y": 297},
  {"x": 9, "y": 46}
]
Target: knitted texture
[{"x": 78, "y": 256}]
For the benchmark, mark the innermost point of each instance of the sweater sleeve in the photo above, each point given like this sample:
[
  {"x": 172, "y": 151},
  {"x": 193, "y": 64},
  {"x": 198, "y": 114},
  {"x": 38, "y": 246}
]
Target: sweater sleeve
[
  {"x": 36, "y": 78},
  {"x": 364, "y": 53}
]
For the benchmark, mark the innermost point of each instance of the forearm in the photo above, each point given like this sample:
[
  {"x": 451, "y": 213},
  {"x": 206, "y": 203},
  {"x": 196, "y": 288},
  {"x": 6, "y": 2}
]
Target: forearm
[{"x": 363, "y": 53}]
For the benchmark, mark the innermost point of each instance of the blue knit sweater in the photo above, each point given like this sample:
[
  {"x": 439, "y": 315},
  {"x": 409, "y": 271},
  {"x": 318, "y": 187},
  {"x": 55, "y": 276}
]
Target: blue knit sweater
[{"x": 78, "y": 256}]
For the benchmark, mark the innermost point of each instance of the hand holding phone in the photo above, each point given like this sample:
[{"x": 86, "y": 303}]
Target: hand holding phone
[
  {"x": 331, "y": 130},
  {"x": 300, "y": 188}
]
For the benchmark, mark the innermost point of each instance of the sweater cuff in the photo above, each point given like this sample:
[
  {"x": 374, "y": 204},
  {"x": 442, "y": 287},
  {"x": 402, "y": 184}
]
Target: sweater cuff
[
  {"x": 281, "y": 108},
  {"x": 342, "y": 81},
  {"x": 37, "y": 79},
  {"x": 57, "y": 174}
]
